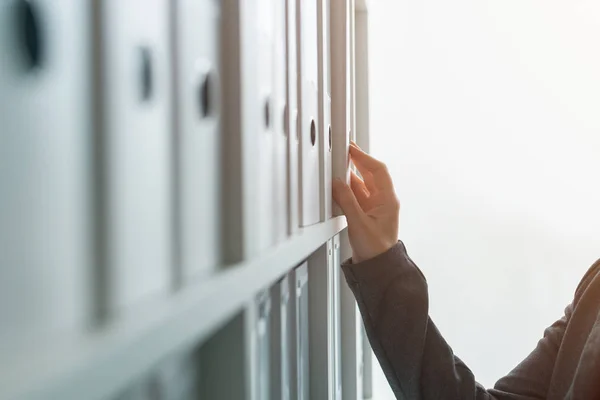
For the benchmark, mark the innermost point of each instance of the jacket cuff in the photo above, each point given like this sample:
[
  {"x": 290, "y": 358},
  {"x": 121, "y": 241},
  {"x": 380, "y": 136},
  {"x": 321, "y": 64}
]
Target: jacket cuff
[{"x": 383, "y": 267}]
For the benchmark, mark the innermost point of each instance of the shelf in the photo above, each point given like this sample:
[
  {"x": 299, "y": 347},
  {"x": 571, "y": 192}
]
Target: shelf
[{"x": 97, "y": 365}]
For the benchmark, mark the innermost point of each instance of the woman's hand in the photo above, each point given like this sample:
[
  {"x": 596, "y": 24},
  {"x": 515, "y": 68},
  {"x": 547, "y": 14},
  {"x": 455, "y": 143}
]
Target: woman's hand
[{"x": 371, "y": 206}]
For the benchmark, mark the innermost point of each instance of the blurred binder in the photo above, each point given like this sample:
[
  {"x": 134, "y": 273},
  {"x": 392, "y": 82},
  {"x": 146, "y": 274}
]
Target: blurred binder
[
  {"x": 325, "y": 129},
  {"x": 281, "y": 207},
  {"x": 300, "y": 373},
  {"x": 281, "y": 345},
  {"x": 341, "y": 90},
  {"x": 46, "y": 147},
  {"x": 292, "y": 116},
  {"x": 198, "y": 135},
  {"x": 308, "y": 88},
  {"x": 321, "y": 322},
  {"x": 264, "y": 108},
  {"x": 263, "y": 339},
  {"x": 224, "y": 362},
  {"x": 336, "y": 268},
  {"x": 137, "y": 149},
  {"x": 242, "y": 133}
]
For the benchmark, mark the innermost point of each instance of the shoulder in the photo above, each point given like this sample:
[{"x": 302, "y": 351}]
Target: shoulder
[{"x": 587, "y": 279}]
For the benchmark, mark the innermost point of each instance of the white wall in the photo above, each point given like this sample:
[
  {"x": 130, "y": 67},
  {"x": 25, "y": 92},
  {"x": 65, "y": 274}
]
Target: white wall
[{"x": 488, "y": 115}]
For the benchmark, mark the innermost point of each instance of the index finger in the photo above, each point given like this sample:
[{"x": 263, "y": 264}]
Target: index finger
[
  {"x": 367, "y": 164},
  {"x": 372, "y": 164}
]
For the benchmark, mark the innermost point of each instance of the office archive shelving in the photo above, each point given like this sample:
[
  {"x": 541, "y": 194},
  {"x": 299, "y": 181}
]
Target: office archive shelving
[{"x": 166, "y": 224}]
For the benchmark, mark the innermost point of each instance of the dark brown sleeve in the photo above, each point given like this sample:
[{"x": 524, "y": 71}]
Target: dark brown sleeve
[{"x": 392, "y": 296}]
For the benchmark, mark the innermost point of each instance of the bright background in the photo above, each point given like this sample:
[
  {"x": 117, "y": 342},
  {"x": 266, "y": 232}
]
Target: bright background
[{"x": 487, "y": 113}]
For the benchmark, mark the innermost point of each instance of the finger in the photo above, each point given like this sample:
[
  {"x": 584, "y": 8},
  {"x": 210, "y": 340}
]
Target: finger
[
  {"x": 360, "y": 190},
  {"x": 371, "y": 163},
  {"x": 365, "y": 163},
  {"x": 366, "y": 177},
  {"x": 344, "y": 197}
]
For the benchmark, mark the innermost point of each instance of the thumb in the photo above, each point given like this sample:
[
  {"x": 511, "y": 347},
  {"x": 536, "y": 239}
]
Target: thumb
[{"x": 344, "y": 197}]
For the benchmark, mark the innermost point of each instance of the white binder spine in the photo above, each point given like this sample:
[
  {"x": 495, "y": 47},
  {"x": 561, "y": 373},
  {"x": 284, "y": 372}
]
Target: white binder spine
[{"x": 137, "y": 152}]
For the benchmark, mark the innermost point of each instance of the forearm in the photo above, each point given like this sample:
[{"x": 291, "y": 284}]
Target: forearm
[{"x": 393, "y": 302}]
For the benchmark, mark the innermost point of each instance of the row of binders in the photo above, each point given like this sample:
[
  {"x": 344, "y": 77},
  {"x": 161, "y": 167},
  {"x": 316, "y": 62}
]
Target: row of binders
[
  {"x": 285, "y": 345},
  {"x": 146, "y": 144}
]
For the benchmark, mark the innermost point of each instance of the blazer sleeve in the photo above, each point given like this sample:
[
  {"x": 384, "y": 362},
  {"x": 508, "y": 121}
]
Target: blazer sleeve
[{"x": 392, "y": 296}]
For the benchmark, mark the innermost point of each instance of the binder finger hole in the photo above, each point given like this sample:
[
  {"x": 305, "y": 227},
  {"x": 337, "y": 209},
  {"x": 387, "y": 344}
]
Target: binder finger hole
[
  {"x": 267, "y": 114},
  {"x": 205, "y": 95},
  {"x": 146, "y": 74},
  {"x": 330, "y": 140},
  {"x": 313, "y": 132},
  {"x": 29, "y": 33}
]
